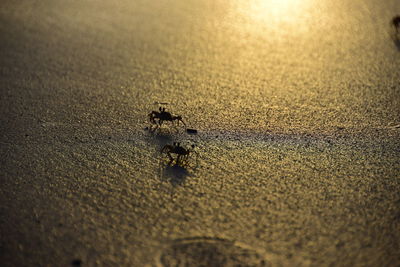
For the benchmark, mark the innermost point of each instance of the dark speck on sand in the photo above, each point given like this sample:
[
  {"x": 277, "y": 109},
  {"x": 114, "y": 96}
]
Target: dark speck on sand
[{"x": 76, "y": 263}]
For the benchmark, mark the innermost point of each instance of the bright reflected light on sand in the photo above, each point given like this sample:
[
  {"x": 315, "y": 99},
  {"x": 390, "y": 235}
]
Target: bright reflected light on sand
[
  {"x": 263, "y": 8},
  {"x": 276, "y": 13}
]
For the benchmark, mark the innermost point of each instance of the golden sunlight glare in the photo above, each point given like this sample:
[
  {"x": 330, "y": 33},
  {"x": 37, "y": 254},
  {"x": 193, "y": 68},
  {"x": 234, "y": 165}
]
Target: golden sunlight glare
[{"x": 265, "y": 11}]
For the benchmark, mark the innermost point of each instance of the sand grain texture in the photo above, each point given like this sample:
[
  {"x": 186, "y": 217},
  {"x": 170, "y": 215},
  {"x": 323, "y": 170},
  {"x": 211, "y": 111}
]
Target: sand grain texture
[{"x": 296, "y": 108}]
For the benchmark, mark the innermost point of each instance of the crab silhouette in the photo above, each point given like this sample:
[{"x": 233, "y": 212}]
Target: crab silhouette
[
  {"x": 181, "y": 152},
  {"x": 161, "y": 116}
]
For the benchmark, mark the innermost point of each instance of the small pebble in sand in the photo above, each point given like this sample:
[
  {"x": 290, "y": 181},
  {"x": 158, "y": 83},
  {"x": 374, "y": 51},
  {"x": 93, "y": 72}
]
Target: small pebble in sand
[
  {"x": 191, "y": 131},
  {"x": 396, "y": 23},
  {"x": 76, "y": 262}
]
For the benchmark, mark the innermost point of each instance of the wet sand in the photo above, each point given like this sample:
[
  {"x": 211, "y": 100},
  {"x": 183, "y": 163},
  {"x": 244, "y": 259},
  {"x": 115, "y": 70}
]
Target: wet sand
[{"x": 296, "y": 107}]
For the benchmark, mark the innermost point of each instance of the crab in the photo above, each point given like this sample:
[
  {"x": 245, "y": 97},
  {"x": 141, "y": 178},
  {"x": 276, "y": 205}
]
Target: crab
[
  {"x": 158, "y": 117},
  {"x": 396, "y": 23},
  {"x": 176, "y": 148}
]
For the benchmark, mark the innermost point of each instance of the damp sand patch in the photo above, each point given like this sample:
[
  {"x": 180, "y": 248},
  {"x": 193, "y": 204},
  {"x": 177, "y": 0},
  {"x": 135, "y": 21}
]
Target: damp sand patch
[{"x": 210, "y": 252}]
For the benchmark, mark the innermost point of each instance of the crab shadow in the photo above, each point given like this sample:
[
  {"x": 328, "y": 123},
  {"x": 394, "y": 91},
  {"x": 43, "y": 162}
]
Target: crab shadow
[
  {"x": 157, "y": 130},
  {"x": 395, "y": 36},
  {"x": 396, "y": 42},
  {"x": 160, "y": 138},
  {"x": 176, "y": 174}
]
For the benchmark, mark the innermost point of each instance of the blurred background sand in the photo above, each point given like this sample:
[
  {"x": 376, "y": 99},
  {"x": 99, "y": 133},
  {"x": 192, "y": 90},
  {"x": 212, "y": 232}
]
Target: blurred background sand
[{"x": 296, "y": 103}]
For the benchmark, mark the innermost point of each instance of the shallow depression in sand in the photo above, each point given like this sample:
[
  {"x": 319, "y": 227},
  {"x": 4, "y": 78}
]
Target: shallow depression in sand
[{"x": 207, "y": 251}]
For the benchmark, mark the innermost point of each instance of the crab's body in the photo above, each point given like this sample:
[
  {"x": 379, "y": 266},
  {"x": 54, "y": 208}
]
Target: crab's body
[
  {"x": 181, "y": 152},
  {"x": 158, "y": 117}
]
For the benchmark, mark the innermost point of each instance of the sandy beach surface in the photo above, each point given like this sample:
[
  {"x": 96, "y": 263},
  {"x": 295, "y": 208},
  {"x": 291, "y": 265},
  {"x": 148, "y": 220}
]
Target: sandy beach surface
[{"x": 296, "y": 104}]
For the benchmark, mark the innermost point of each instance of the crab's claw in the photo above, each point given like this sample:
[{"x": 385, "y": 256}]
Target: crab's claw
[{"x": 152, "y": 116}]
